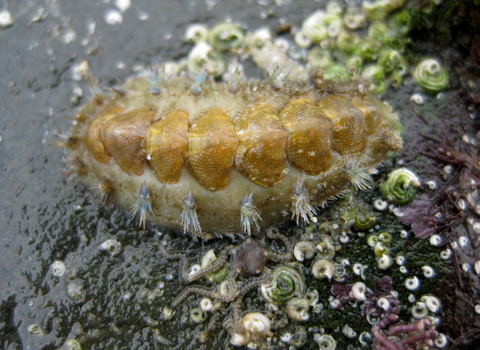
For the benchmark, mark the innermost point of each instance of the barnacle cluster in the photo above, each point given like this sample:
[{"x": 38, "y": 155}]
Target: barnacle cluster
[
  {"x": 313, "y": 278},
  {"x": 336, "y": 39}
]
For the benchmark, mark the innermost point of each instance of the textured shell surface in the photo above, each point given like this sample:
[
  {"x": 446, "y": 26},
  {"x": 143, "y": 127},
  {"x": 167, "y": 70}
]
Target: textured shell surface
[{"x": 221, "y": 147}]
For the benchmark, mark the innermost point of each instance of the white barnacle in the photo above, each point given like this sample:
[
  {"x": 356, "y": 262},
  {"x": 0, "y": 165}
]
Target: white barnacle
[
  {"x": 344, "y": 238},
  {"x": 354, "y": 19},
  {"x": 365, "y": 339},
  {"x": 417, "y": 99},
  {"x": 384, "y": 304},
  {"x": 314, "y": 27},
  {"x": 446, "y": 254},
  {"x": 325, "y": 341},
  {"x": 189, "y": 216},
  {"x": 435, "y": 240},
  {"x": 312, "y": 297},
  {"x": 302, "y": 40},
  {"x": 384, "y": 262},
  {"x": 359, "y": 176},
  {"x": 349, "y": 332},
  {"x": 412, "y": 283},
  {"x": 194, "y": 269},
  {"x": 297, "y": 309},
  {"x": 35, "y": 329},
  {"x": 476, "y": 267},
  {"x": 335, "y": 303},
  {"x": 323, "y": 269},
  {"x": 286, "y": 338},
  {"x": 301, "y": 207},
  {"x": 325, "y": 248},
  {"x": 357, "y": 269},
  {"x": 420, "y": 310},
  {"x": 400, "y": 260},
  {"x": 238, "y": 339},
  {"x": 433, "y": 303},
  {"x": 441, "y": 341},
  {"x": 206, "y": 304},
  {"x": 431, "y": 185},
  {"x": 196, "y": 32},
  {"x": 58, "y": 268},
  {"x": 476, "y": 227},
  {"x": 428, "y": 271},
  {"x": 411, "y": 298},
  {"x": 249, "y": 215},
  {"x": 6, "y": 18},
  {"x": 380, "y": 205},
  {"x": 208, "y": 259},
  {"x": 304, "y": 250},
  {"x": 358, "y": 291},
  {"x": 462, "y": 241},
  {"x": 72, "y": 344},
  {"x": 141, "y": 206},
  {"x": 203, "y": 56},
  {"x": 403, "y": 270},
  {"x": 466, "y": 267},
  {"x": 111, "y": 246},
  {"x": 167, "y": 314},
  {"x": 256, "y": 323}
]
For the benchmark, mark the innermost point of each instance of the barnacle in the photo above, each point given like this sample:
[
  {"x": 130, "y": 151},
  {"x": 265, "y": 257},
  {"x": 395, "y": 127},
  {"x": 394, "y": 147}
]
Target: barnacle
[
  {"x": 400, "y": 186},
  {"x": 430, "y": 75},
  {"x": 297, "y": 309},
  {"x": 354, "y": 18},
  {"x": 392, "y": 60},
  {"x": 369, "y": 49},
  {"x": 286, "y": 283},
  {"x": 196, "y": 32},
  {"x": 304, "y": 250},
  {"x": 226, "y": 36},
  {"x": 325, "y": 248},
  {"x": 325, "y": 341},
  {"x": 203, "y": 56},
  {"x": 376, "y": 74},
  {"x": 337, "y": 72},
  {"x": 323, "y": 268},
  {"x": 197, "y": 315},
  {"x": 359, "y": 217},
  {"x": 111, "y": 246},
  {"x": 314, "y": 27},
  {"x": 347, "y": 42},
  {"x": 319, "y": 57},
  {"x": 377, "y": 10},
  {"x": 256, "y": 323}
]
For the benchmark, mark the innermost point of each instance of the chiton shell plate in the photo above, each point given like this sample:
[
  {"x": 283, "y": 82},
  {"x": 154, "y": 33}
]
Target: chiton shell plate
[{"x": 221, "y": 146}]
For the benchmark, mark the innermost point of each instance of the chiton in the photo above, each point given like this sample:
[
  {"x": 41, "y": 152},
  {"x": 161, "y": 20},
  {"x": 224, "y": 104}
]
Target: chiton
[{"x": 214, "y": 160}]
